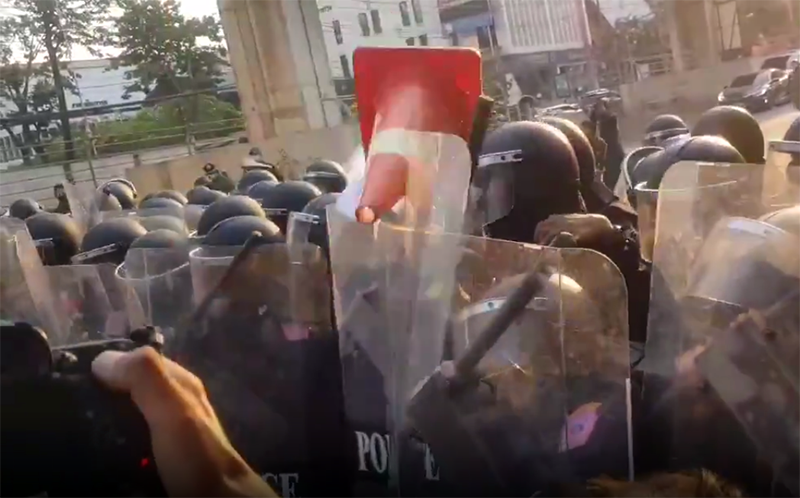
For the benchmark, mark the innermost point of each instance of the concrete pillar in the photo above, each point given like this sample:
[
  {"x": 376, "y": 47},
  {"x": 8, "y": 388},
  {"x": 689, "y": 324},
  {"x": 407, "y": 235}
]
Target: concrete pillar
[
  {"x": 712, "y": 52},
  {"x": 675, "y": 45},
  {"x": 277, "y": 53}
]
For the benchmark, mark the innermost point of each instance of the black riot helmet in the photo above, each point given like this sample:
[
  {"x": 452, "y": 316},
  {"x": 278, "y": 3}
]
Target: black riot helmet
[
  {"x": 738, "y": 127},
  {"x": 164, "y": 222},
  {"x": 631, "y": 162},
  {"x": 204, "y": 196},
  {"x": 202, "y": 181},
  {"x": 260, "y": 189},
  {"x": 123, "y": 190},
  {"x": 652, "y": 168},
  {"x": 166, "y": 194},
  {"x": 109, "y": 240},
  {"x": 24, "y": 208},
  {"x": 228, "y": 207},
  {"x": 787, "y": 219},
  {"x": 236, "y": 230},
  {"x": 161, "y": 239},
  {"x": 164, "y": 204},
  {"x": 328, "y": 176},
  {"x": 664, "y": 127},
  {"x": 315, "y": 218},
  {"x": 105, "y": 201},
  {"x": 580, "y": 145},
  {"x": 526, "y": 172},
  {"x": 288, "y": 197},
  {"x": 253, "y": 176},
  {"x": 57, "y": 236}
]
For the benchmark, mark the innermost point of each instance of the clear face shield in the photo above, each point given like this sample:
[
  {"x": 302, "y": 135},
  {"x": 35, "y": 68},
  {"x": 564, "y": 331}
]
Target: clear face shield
[
  {"x": 658, "y": 138},
  {"x": 628, "y": 180},
  {"x": 492, "y": 189}
]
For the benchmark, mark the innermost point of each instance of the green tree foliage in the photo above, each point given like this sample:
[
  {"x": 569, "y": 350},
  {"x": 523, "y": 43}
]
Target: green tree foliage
[
  {"x": 163, "y": 125},
  {"x": 51, "y": 28},
  {"x": 165, "y": 50},
  {"x": 27, "y": 85}
]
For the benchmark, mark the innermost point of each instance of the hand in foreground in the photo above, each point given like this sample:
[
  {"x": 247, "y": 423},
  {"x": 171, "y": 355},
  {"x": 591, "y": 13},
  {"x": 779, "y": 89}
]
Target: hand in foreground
[
  {"x": 585, "y": 228},
  {"x": 192, "y": 453}
]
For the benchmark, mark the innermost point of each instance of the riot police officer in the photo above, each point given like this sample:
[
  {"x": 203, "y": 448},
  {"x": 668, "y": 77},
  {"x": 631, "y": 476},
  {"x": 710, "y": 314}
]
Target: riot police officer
[
  {"x": 218, "y": 180},
  {"x": 24, "y": 208},
  {"x": 61, "y": 196},
  {"x": 539, "y": 157},
  {"x": 526, "y": 172},
  {"x": 109, "y": 241},
  {"x": 228, "y": 207},
  {"x": 123, "y": 190},
  {"x": 328, "y": 175},
  {"x": 203, "y": 196},
  {"x": 255, "y": 161},
  {"x": 598, "y": 198},
  {"x": 288, "y": 197},
  {"x": 738, "y": 127},
  {"x": 57, "y": 236},
  {"x": 664, "y": 127},
  {"x": 253, "y": 176}
]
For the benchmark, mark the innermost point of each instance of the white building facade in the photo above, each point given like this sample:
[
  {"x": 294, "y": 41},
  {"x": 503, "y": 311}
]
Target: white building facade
[
  {"x": 349, "y": 24},
  {"x": 545, "y": 44}
]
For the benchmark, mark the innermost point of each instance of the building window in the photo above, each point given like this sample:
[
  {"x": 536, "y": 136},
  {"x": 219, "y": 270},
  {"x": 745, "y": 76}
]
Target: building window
[
  {"x": 345, "y": 67},
  {"x": 423, "y": 40},
  {"x": 337, "y": 32},
  {"x": 417, "y": 11},
  {"x": 410, "y": 41},
  {"x": 404, "y": 14},
  {"x": 364, "y": 23},
  {"x": 376, "y": 21}
]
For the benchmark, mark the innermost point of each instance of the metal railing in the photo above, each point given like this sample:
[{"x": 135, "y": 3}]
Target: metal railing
[{"x": 101, "y": 155}]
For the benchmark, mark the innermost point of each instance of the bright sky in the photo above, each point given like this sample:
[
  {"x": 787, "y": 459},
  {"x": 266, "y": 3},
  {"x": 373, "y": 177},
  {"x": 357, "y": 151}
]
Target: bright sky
[{"x": 189, "y": 8}]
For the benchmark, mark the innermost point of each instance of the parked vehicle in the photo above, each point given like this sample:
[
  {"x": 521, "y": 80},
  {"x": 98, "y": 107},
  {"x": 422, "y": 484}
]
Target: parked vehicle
[
  {"x": 757, "y": 91},
  {"x": 572, "y": 112},
  {"x": 612, "y": 98},
  {"x": 784, "y": 62}
]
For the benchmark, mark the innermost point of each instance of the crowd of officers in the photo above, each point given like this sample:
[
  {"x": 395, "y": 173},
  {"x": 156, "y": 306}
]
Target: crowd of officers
[{"x": 564, "y": 191}]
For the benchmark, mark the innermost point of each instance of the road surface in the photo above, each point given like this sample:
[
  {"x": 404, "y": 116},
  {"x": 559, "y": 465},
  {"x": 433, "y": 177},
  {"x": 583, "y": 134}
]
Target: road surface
[{"x": 38, "y": 182}]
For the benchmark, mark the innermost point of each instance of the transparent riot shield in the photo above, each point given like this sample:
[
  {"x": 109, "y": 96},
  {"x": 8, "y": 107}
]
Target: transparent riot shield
[
  {"x": 82, "y": 204},
  {"x": 262, "y": 341},
  {"x": 693, "y": 197},
  {"x": 158, "y": 282},
  {"x": 713, "y": 263},
  {"x": 784, "y": 157},
  {"x": 25, "y": 292},
  {"x": 498, "y": 413},
  {"x": 748, "y": 279},
  {"x": 88, "y": 309}
]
